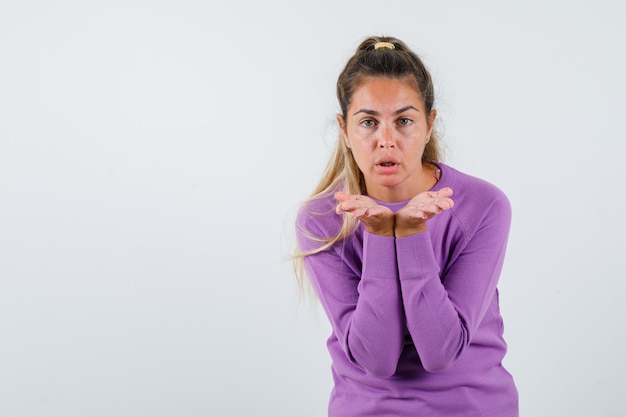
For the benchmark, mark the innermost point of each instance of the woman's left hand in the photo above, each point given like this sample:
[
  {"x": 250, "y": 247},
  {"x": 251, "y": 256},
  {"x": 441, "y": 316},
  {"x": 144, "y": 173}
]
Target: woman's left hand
[{"x": 412, "y": 218}]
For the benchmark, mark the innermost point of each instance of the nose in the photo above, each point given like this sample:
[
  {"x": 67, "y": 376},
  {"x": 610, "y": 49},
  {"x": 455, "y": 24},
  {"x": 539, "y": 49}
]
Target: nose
[{"x": 386, "y": 139}]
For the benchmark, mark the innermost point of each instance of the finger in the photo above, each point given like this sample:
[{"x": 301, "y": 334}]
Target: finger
[
  {"x": 435, "y": 208},
  {"x": 421, "y": 215},
  {"x": 435, "y": 205},
  {"x": 345, "y": 207},
  {"x": 374, "y": 211},
  {"x": 348, "y": 205},
  {"x": 426, "y": 212},
  {"x": 444, "y": 203},
  {"x": 342, "y": 196},
  {"x": 359, "y": 212},
  {"x": 444, "y": 192},
  {"x": 356, "y": 208}
]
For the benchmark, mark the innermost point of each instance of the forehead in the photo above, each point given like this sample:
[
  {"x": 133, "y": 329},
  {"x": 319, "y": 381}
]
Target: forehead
[{"x": 386, "y": 91}]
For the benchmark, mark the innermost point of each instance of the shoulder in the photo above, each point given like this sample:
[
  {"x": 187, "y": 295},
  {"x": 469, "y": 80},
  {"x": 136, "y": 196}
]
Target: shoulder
[
  {"x": 476, "y": 200},
  {"x": 317, "y": 219},
  {"x": 476, "y": 191}
]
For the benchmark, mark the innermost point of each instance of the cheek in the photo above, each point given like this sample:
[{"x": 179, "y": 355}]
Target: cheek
[
  {"x": 361, "y": 156},
  {"x": 362, "y": 142},
  {"x": 362, "y": 149}
]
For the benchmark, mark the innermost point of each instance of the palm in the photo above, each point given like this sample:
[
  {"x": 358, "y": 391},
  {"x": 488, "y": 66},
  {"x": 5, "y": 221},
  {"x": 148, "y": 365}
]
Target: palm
[
  {"x": 377, "y": 219},
  {"x": 412, "y": 217}
]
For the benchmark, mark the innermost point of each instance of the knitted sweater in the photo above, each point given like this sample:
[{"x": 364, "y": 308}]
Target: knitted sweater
[{"x": 416, "y": 326}]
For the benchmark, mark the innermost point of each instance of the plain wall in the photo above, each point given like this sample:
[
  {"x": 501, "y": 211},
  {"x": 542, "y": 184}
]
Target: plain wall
[{"x": 153, "y": 154}]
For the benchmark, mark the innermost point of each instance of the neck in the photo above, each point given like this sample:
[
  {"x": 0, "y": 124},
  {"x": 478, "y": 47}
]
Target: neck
[{"x": 424, "y": 180}]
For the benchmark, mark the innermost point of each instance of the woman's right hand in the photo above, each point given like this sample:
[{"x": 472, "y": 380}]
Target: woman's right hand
[{"x": 377, "y": 219}]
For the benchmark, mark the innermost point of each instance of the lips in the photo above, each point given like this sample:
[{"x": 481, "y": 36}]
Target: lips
[
  {"x": 387, "y": 166},
  {"x": 387, "y": 162}
]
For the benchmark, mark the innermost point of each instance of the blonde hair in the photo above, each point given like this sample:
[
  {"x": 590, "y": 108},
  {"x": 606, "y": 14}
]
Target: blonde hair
[{"x": 342, "y": 172}]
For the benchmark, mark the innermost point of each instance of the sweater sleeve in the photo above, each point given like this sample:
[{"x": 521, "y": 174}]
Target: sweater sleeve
[
  {"x": 364, "y": 307},
  {"x": 444, "y": 308}
]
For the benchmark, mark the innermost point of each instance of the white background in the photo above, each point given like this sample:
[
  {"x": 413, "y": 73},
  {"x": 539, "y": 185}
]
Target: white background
[{"x": 153, "y": 154}]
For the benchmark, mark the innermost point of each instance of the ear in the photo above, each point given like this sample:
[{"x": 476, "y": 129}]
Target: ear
[
  {"x": 344, "y": 131},
  {"x": 431, "y": 123}
]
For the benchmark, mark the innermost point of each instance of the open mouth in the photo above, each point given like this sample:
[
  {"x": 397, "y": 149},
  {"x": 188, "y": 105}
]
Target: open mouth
[{"x": 387, "y": 164}]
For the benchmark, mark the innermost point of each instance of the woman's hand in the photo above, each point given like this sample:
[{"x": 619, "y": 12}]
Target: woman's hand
[
  {"x": 412, "y": 218},
  {"x": 376, "y": 218}
]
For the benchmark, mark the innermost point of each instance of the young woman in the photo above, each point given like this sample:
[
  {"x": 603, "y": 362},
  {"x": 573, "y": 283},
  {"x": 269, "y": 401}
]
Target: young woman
[{"x": 405, "y": 270}]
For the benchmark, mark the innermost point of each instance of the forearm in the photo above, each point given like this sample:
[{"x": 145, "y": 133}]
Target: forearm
[
  {"x": 376, "y": 337},
  {"x": 363, "y": 303},
  {"x": 437, "y": 331},
  {"x": 444, "y": 308}
]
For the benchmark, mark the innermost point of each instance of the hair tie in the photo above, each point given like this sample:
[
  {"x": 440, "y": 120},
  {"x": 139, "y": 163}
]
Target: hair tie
[{"x": 389, "y": 45}]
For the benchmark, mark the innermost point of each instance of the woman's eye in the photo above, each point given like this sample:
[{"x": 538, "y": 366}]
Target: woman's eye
[
  {"x": 404, "y": 121},
  {"x": 368, "y": 123}
]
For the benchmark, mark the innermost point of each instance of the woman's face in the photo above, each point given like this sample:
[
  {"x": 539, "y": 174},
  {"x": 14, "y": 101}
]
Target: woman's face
[{"x": 386, "y": 128}]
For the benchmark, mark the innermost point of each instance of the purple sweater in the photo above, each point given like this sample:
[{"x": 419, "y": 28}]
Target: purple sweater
[{"x": 416, "y": 326}]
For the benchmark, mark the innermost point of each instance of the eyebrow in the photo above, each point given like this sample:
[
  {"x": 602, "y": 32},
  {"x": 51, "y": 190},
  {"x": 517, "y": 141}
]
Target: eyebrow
[{"x": 375, "y": 113}]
